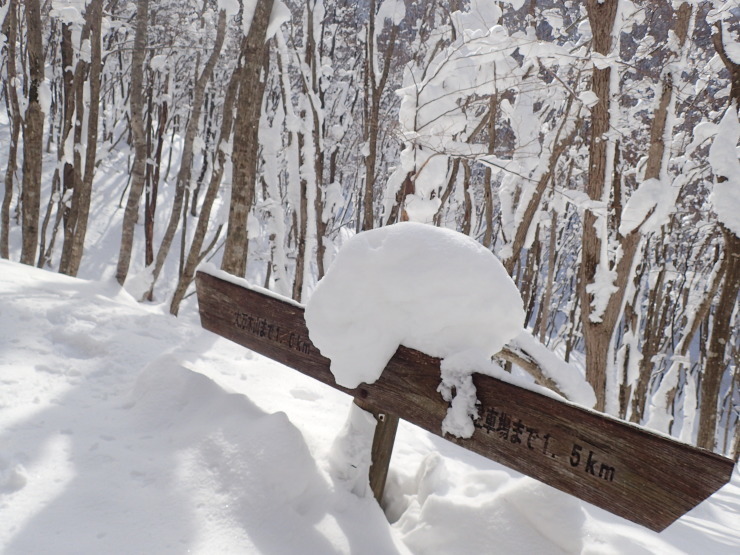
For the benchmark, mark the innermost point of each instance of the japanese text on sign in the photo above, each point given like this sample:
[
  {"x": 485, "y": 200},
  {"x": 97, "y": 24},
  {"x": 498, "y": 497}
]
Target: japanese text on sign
[{"x": 513, "y": 430}]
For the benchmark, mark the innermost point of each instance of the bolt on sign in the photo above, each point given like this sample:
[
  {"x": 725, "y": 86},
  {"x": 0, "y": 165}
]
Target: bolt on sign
[{"x": 644, "y": 477}]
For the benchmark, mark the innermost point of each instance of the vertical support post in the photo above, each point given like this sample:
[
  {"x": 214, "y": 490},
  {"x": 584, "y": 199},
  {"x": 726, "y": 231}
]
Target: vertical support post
[{"x": 382, "y": 449}]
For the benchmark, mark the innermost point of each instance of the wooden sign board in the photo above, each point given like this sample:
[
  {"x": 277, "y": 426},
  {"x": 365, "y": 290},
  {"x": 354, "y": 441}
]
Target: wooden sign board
[{"x": 644, "y": 477}]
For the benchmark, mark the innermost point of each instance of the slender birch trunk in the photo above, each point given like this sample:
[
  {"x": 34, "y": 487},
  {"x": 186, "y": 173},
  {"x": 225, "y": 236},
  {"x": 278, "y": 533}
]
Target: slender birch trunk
[{"x": 138, "y": 173}]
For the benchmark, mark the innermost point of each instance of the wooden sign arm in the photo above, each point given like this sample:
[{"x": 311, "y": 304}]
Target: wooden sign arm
[{"x": 645, "y": 477}]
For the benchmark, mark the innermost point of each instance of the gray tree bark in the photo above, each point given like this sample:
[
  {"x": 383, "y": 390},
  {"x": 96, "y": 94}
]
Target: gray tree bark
[
  {"x": 196, "y": 253},
  {"x": 186, "y": 163},
  {"x": 136, "y": 103},
  {"x": 597, "y": 335},
  {"x": 246, "y": 140},
  {"x": 654, "y": 329},
  {"x": 10, "y": 28},
  {"x": 77, "y": 225},
  {"x": 62, "y": 181},
  {"x": 313, "y": 61},
  {"x": 33, "y": 130},
  {"x": 722, "y": 323},
  {"x": 374, "y": 87}
]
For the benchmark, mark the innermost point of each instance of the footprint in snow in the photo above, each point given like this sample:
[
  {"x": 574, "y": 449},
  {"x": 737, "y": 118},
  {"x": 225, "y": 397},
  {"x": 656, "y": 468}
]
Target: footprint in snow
[
  {"x": 304, "y": 394},
  {"x": 12, "y": 477}
]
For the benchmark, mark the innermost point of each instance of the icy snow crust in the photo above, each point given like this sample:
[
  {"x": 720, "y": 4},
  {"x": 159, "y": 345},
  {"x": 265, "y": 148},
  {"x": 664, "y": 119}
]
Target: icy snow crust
[{"x": 427, "y": 288}]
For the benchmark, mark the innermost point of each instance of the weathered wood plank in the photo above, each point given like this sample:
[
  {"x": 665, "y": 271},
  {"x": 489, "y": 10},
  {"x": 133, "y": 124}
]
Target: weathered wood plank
[
  {"x": 644, "y": 477},
  {"x": 382, "y": 448}
]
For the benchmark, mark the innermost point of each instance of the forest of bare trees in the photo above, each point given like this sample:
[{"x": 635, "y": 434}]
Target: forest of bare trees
[{"x": 585, "y": 143}]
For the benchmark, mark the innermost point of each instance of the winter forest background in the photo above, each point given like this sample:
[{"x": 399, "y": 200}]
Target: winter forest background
[{"x": 591, "y": 145}]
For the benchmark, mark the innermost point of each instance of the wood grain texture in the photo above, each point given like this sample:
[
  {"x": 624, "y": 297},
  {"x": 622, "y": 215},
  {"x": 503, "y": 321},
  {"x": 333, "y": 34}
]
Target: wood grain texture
[
  {"x": 382, "y": 448},
  {"x": 644, "y": 477}
]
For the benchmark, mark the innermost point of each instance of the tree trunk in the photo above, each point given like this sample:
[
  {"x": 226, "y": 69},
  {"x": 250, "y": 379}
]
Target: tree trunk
[
  {"x": 150, "y": 188},
  {"x": 722, "y": 324},
  {"x": 301, "y": 224},
  {"x": 488, "y": 239},
  {"x": 246, "y": 140},
  {"x": 597, "y": 335},
  {"x": 451, "y": 182},
  {"x": 371, "y": 120},
  {"x": 316, "y": 95},
  {"x": 32, "y": 136},
  {"x": 196, "y": 254},
  {"x": 374, "y": 87},
  {"x": 186, "y": 162},
  {"x": 654, "y": 169},
  {"x": 654, "y": 331},
  {"x": 136, "y": 100},
  {"x": 208, "y": 125},
  {"x": 720, "y": 336},
  {"x": 153, "y": 176},
  {"x": 10, "y": 29},
  {"x": 73, "y": 171},
  {"x": 74, "y": 244},
  {"x": 64, "y": 180},
  {"x": 544, "y": 313}
]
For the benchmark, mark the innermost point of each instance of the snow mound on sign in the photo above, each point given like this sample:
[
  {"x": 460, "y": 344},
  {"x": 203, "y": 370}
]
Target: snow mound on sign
[{"x": 427, "y": 288}]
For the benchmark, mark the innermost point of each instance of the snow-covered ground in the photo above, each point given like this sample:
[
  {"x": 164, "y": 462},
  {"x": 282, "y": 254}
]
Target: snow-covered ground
[{"x": 125, "y": 430}]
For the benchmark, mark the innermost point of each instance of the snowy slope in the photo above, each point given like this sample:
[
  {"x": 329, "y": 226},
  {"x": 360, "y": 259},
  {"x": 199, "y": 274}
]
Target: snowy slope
[{"x": 125, "y": 430}]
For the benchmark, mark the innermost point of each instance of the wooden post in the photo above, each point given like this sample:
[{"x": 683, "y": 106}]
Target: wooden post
[{"x": 385, "y": 434}]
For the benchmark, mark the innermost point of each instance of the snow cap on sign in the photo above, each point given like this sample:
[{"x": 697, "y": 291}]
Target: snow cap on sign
[{"x": 427, "y": 288}]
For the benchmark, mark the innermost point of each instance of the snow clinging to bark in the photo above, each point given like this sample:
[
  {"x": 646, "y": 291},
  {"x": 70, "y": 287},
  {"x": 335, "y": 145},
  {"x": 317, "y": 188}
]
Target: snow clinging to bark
[{"x": 723, "y": 158}]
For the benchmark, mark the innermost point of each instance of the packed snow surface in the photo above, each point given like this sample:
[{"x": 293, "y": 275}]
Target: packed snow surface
[
  {"x": 427, "y": 288},
  {"x": 125, "y": 430}
]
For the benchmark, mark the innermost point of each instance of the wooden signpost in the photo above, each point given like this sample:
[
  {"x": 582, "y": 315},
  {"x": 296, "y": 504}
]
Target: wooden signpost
[{"x": 644, "y": 477}]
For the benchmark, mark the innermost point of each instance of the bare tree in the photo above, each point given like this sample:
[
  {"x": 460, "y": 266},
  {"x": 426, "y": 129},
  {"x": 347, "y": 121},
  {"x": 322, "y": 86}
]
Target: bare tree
[
  {"x": 316, "y": 94},
  {"x": 654, "y": 168},
  {"x": 375, "y": 85},
  {"x": 561, "y": 144},
  {"x": 138, "y": 173},
  {"x": 179, "y": 207},
  {"x": 727, "y": 304},
  {"x": 10, "y": 29},
  {"x": 719, "y": 338},
  {"x": 62, "y": 181},
  {"x": 300, "y": 223},
  {"x": 246, "y": 140},
  {"x": 197, "y": 253},
  {"x": 33, "y": 130},
  {"x": 76, "y": 224},
  {"x": 598, "y": 325}
]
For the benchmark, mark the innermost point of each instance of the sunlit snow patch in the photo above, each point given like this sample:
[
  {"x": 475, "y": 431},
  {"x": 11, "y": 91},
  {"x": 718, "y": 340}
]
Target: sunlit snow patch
[{"x": 427, "y": 288}]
